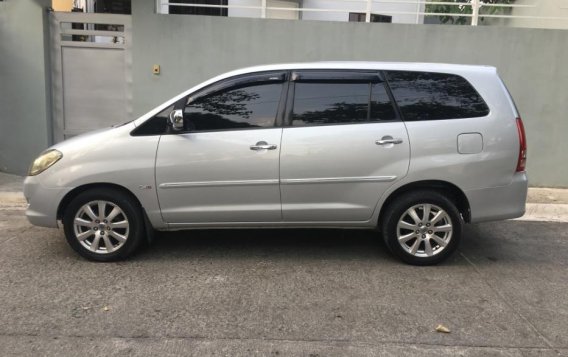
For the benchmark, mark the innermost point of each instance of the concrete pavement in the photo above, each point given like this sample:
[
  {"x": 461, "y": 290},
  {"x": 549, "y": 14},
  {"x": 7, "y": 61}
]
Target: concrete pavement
[{"x": 285, "y": 293}]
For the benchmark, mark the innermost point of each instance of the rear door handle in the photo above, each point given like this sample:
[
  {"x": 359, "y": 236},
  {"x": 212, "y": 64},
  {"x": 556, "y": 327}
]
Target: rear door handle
[
  {"x": 263, "y": 145},
  {"x": 388, "y": 140}
]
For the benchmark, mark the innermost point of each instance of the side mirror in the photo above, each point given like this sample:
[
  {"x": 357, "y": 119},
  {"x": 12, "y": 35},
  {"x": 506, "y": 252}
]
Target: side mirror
[{"x": 176, "y": 119}]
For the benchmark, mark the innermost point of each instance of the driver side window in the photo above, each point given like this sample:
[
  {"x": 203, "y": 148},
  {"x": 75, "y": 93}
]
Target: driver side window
[{"x": 243, "y": 107}]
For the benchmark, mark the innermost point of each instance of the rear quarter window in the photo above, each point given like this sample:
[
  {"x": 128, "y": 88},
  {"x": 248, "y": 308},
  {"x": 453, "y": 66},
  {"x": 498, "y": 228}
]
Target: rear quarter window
[{"x": 435, "y": 96}]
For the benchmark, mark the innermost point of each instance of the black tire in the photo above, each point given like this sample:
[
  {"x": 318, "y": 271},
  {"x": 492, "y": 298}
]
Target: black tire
[
  {"x": 399, "y": 206},
  {"x": 130, "y": 209}
]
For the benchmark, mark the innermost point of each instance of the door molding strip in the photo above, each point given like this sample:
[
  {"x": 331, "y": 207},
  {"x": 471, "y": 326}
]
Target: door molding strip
[
  {"x": 338, "y": 180},
  {"x": 217, "y": 183},
  {"x": 302, "y": 181}
]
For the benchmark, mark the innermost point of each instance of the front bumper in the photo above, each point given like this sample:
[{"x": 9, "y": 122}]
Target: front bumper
[
  {"x": 42, "y": 202},
  {"x": 498, "y": 203}
]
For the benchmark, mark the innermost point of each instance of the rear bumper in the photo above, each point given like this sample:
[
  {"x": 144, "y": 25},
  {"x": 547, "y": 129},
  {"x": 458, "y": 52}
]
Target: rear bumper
[
  {"x": 497, "y": 203},
  {"x": 42, "y": 202}
]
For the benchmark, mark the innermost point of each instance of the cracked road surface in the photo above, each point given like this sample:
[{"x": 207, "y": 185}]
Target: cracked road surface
[{"x": 285, "y": 293}]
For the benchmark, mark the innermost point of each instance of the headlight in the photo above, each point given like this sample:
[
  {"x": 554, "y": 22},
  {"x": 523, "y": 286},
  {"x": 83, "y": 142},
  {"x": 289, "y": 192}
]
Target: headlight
[{"x": 44, "y": 161}]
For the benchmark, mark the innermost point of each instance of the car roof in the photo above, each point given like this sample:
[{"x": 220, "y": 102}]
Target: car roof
[{"x": 368, "y": 65}]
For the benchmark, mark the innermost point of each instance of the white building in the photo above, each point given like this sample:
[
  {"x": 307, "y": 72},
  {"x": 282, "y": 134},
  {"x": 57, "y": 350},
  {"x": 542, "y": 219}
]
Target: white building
[
  {"x": 552, "y": 14},
  {"x": 326, "y": 10}
]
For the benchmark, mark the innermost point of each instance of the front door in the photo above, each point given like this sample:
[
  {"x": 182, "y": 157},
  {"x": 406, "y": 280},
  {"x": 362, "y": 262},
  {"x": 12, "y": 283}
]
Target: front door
[
  {"x": 343, "y": 148},
  {"x": 225, "y": 166}
]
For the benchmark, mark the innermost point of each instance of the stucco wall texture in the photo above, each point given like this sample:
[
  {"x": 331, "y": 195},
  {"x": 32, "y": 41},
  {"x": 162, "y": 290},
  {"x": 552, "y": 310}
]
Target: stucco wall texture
[{"x": 191, "y": 49}]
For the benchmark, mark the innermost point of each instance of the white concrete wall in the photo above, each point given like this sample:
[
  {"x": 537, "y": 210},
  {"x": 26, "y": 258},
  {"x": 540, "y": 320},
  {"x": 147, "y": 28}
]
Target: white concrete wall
[
  {"x": 543, "y": 8},
  {"x": 244, "y": 12},
  {"x": 283, "y": 14},
  {"x": 271, "y": 14},
  {"x": 328, "y": 4}
]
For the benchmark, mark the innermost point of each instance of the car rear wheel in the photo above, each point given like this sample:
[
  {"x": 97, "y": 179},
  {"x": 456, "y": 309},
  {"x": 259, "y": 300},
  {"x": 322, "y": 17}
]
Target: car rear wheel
[
  {"x": 422, "y": 227},
  {"x": 104, "y": 225}
]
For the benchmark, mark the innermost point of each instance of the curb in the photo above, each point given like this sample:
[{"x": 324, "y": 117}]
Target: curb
[
  {"x": 12, "y": 201},
  {"x": 546, "y": 212}
]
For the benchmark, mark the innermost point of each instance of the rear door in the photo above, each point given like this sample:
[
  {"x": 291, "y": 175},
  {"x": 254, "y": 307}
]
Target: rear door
[{"x": 343, "y": 146}]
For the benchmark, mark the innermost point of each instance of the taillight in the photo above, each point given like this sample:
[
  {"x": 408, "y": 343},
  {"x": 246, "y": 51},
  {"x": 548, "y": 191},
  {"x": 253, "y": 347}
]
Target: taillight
[{"x": 522, "y": 163}]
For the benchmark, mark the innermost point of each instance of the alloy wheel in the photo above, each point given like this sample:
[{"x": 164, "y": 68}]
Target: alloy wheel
[
  {"x": 424, "y": 230},
  {"x": 101, "y": 226}
]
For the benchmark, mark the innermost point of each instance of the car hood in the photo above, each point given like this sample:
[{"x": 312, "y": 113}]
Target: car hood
[{"x": 96, "y": 137}]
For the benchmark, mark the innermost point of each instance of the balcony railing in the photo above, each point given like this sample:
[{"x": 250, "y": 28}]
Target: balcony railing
[{"x": 472, "y": 10}]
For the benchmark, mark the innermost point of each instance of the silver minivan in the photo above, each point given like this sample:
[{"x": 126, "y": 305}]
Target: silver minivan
[{"x": 411, "y": 150}]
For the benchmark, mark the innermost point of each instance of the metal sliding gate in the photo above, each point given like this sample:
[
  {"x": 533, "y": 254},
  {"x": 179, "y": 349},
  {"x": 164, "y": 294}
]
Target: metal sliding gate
[{"x": 90, "y": 71}]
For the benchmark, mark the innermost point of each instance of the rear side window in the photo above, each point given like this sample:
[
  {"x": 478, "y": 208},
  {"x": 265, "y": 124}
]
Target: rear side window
[
  {"x": 328, "y": 103},
  {"x": 435, "y": 96}
]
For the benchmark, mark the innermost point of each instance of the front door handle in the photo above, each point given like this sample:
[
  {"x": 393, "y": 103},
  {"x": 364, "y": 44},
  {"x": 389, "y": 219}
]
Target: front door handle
[
  {"x": 388, "y": 140},
  {"x": 263, "y": 145}
]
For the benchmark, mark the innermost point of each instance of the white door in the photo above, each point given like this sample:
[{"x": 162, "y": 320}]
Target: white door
[
  {"x": 224, "y": 167},
  {"x": 343, "y": 148}
]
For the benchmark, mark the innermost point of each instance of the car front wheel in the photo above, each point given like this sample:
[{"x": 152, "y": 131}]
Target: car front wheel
[
  {"x": 422, "y": 227},
  {"x": 104, "y": 224}
]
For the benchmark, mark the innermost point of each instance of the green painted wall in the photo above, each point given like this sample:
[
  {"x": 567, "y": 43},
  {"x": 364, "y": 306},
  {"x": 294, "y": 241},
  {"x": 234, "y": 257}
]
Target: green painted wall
[
  {"x": 532, "y": 62},
  {"x": 24, "y": 106}
]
